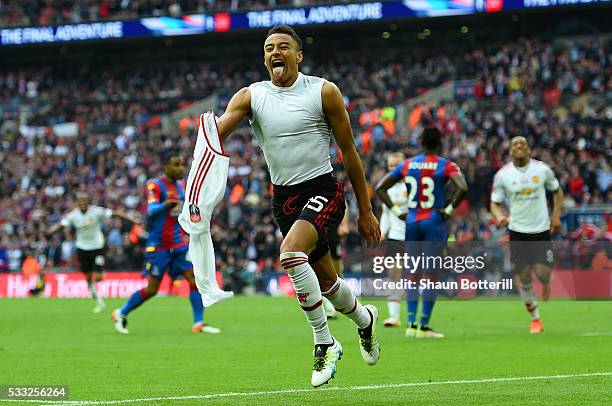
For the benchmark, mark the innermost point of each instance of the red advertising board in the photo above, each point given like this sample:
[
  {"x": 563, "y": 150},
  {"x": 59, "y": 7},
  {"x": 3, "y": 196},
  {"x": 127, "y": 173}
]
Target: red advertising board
[{"x": 73, "y": 285}]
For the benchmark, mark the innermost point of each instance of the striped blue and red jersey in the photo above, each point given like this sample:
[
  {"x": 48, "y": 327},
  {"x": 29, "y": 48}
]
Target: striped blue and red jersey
[
  {"x": 425, "y": 177},
  {"x": 164, "y": 230}
]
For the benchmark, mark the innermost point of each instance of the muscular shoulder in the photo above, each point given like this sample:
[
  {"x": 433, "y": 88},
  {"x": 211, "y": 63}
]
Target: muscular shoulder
[
  {"x": 330, "y": 89},
  {"x": 331, "y": 96},
  {"x": 243, "y": 96}
]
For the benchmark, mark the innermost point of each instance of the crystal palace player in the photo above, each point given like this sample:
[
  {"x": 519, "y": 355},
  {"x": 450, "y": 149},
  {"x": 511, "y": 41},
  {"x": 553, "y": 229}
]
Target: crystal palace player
[
  {"x": 167, "y": 245},
  {"x": 523, "y": 182},
  {"x": 425, "y": 176},
  {"x": 293, "y": 117}
]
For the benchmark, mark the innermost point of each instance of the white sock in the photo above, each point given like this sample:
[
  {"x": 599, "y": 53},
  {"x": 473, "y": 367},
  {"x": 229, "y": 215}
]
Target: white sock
[
  {"x": 344, "y": 300},
  {"x": 308, "y": 293},
  {"x": 394, "y": 309},
  {"x": 328, "y": 306},
  {"x": 94, "y": 293},
  {"x": 529, "y": 297}
]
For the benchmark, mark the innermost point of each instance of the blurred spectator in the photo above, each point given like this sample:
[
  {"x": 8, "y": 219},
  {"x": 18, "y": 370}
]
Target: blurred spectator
[{"x": 46, "y": 12}]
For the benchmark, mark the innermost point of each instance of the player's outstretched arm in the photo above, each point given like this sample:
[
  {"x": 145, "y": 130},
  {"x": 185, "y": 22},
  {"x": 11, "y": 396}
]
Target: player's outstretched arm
[
  {"x": 54, "y": 228},
  {"x": 338, "y": 118},
  {"x": 125, "y": 216},
  {"x": 238, "y": 108}
]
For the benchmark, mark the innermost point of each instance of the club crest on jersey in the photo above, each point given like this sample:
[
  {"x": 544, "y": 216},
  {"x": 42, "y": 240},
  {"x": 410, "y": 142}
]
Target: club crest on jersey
[
  {"x": 302, "y": 297},
  {"x": 535, "y": 179},
  {"x": 194, "y": 214}
]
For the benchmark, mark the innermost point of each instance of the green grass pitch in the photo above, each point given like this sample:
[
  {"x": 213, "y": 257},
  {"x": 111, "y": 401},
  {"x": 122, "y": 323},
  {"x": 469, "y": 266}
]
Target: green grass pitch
[{"x": 266, "y": 345}]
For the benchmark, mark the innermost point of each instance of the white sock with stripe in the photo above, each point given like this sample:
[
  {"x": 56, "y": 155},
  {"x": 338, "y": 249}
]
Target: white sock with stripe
[
  {"x": 308, "y": 293},
  {"x": 345, "y": 301},
  {"x": 529, "y": 297}
]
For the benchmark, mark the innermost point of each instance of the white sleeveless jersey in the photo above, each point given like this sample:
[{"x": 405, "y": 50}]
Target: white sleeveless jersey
[
  {"x": 205, "y": 189},
  {"x": 292, "y": 130},
  {"x": 525, "y": 189},
  {"x": 391, "y": 226},
  {"x": 88, "y": 226}
]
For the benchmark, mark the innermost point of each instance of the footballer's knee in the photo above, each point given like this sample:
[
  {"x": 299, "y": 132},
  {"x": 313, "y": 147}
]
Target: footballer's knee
[
  {"x": 302, "y": 237},
  {"x": 525, "y": 276},
  {"x": 291, "y": 245},
  {"x": 543, "y": 273}
]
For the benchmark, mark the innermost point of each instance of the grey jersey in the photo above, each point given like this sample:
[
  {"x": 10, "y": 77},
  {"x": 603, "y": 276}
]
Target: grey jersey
[{"x": 291, "y": 128}]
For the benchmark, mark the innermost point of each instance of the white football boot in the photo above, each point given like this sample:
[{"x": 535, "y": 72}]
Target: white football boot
[
  {"x": 325, "y": 363},
  {"x": 368, "y": 344},
  {"x": 120, "y": 322}
]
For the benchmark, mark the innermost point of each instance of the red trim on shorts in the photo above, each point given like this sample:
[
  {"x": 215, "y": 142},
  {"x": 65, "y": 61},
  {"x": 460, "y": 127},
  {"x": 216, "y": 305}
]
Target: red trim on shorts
[{"x": 332, "y": 206}]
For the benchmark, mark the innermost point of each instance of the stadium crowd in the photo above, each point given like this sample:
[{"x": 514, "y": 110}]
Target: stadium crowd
[
  {"x": 557, "y": 95},
  {"x": 49, "y": 12}
]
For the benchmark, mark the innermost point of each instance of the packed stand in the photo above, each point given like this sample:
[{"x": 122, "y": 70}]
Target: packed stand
[
  {"x": 525, "y": 88},
  {"x": 48, "y": 12}
]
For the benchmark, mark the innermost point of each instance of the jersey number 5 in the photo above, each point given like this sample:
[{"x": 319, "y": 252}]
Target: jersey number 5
[{"x": 427, "y": 188}]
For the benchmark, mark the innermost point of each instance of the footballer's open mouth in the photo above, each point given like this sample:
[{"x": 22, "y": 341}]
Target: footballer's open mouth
[
  {"x": 278, "y": 67},
  {"x": 277, "y": 63}
]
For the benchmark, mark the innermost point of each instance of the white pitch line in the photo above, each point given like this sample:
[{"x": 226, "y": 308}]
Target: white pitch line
[
  {"x": 596, "y": 334},
  {"x": 292, "y": 391}
]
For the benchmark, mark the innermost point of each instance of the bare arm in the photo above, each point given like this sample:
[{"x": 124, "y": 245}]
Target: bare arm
[
  {"x": 498, "y": 213},
  {"x": 125, "y": 216},
  {"x": 238, "y": 108},
  {"x": 497, "y": 197},
  {"x": 383, "y": 185},
  {"x": 54, "y": 228},
  {"x": 555, "y": 220},
  {"x": 338, "y": 118},
  {"x": 460, "y": 189}
]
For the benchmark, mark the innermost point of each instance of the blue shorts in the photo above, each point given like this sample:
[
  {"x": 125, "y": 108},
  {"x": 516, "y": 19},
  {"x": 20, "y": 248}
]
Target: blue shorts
[
  {"x": 175, "y": 261},
  {"x": 427, "y": 238},
  {"x": 431, "y": 229}
]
